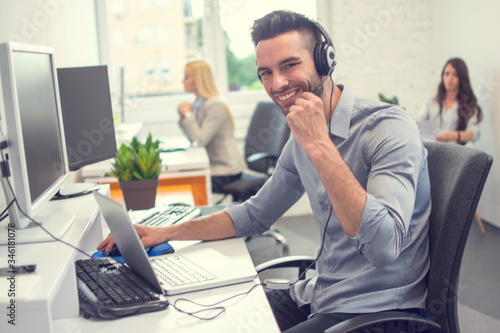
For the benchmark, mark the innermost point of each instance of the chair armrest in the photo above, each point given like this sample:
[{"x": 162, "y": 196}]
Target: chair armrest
[
  {"x": 260, "y": 156},
  {"x": 382, "y": 317},
  {"x": 302, "y": 262}
]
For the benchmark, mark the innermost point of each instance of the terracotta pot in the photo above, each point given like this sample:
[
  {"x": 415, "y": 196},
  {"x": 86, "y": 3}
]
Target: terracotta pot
[{"x": 139, "y": 194}]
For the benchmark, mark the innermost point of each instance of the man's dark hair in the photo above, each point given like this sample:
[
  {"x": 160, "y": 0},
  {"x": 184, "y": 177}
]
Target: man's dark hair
[{"x": 280, "y": 22}]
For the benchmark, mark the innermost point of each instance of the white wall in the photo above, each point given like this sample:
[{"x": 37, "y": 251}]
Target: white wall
[
  {"x": 398, "y": 47},
  {"x": 470, "y": 30},
  {"x": 67, "y": 25},
  {"x": 384, "y": 47}
]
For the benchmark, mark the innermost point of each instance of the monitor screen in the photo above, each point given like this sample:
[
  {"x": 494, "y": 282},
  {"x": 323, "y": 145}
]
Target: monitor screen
[
  {"x": 87, "y": 115},
  {"x": 39, "y": 121},
  {"x": 36, "y": 152}
]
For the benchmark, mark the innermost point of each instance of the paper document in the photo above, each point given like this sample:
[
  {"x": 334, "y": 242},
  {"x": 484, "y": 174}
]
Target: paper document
[{"x": 428, "y": 130}]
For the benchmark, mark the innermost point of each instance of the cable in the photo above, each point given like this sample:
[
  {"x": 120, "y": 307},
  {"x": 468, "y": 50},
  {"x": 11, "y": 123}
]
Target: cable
[
  {"x": 279, "y": 284},
  {"x": 31, "y": 219},
  {"x": 5, "y": 213},
  {"x": 211, "y": 307}
]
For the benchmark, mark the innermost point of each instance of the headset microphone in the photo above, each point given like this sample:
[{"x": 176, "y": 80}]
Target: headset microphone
[{"x": 326, "y": 77}]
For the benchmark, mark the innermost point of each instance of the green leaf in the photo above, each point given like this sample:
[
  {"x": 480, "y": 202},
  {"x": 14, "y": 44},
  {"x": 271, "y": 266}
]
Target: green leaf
[{"x": 137, "y": 160}]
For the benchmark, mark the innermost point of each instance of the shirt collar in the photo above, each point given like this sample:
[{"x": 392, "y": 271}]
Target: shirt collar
[
  {"x": 198, "y": 102},
  {"x": 341, "y": 118}
]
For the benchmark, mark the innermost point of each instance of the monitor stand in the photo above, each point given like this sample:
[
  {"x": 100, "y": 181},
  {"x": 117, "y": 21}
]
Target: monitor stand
[
  {"x": 75, "y": 189},
  {"x": 56, "y": 224}
]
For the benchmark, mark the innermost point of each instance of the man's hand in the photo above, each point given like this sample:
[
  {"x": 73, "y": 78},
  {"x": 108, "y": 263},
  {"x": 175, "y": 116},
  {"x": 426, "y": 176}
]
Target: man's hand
[
  {"x": 307, "y": 121},
  {"x": 149, "y": 237}
]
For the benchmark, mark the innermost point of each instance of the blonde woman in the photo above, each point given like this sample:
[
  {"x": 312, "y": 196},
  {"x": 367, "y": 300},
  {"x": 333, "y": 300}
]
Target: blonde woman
[{"x": 209, "y": 123}]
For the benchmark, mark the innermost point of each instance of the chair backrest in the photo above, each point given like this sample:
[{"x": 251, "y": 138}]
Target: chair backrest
[
  {"x": 267, "y": 133},
  {"x": 457, "y": 176}
]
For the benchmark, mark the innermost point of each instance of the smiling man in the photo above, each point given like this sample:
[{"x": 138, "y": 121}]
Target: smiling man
[{"x": 364, "y": 168}]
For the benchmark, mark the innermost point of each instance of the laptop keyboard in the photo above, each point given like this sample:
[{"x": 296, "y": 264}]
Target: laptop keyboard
[
  {"x": 176, "y": 270},
  {"x": 109, "y": 289},
  {"x": 170, "y": 215}
]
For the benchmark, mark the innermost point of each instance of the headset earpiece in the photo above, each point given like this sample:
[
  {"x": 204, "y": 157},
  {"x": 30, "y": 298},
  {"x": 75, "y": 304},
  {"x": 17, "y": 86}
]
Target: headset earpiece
[{"x": 324, "y": 54}]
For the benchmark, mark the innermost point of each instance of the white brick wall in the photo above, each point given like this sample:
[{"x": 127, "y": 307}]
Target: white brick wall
[{"x": 385, "y": 47}]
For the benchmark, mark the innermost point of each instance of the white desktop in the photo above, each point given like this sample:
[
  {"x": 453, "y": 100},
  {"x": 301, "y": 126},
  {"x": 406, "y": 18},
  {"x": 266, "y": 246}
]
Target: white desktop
[{"x": 46, "y": 300}]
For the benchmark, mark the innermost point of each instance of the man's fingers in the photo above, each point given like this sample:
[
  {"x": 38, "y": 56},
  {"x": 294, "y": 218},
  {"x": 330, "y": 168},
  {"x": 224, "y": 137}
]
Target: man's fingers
[{"x": 106, "y": 245}]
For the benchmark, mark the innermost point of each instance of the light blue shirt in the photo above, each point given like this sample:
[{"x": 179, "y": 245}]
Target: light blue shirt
[
  {"x": 384, "y": 266},
  {"x": 197, "y": 106}
]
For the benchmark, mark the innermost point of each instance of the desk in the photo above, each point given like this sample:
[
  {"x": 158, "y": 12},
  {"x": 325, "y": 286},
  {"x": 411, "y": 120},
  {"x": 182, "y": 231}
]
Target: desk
[
  {"x": 51, "y": 292},
  {"x": 51, "y": 305},
  {"x": 187, "y": 167},
  {"x": 250, "y": 313}
]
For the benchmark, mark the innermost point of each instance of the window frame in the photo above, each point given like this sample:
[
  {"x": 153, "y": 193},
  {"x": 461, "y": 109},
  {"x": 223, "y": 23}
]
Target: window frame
[{"x": 215, "y": 53}]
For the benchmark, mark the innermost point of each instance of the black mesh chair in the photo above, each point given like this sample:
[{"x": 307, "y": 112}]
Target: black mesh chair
[
  {"x": 457, "y": 177},
  {"x": 266, "y": 136}
]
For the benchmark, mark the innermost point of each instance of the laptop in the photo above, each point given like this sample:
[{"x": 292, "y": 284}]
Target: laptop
[{"x": 220, "y": 268}]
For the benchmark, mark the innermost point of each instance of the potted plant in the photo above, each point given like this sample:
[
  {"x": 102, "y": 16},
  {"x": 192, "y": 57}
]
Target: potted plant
[
  {"x": 394, "y": 100},
  {"x": 137, "y": 168}
]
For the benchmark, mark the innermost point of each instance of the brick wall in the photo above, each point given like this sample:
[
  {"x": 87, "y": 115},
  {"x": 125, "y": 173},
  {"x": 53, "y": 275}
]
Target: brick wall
[{"x": 385, "y": 47}]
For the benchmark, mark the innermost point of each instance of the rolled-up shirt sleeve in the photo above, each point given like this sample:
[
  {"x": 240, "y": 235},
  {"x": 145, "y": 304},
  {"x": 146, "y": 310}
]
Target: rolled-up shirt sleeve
[
  {"x": 396, "y": 162},
  {"x": 278, "y": 194}
]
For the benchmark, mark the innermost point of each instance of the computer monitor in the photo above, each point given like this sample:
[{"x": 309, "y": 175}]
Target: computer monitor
[
  {"x": 87, "y": 115},
  {"x": 88, "y": 119},
  {"x": 36, "y": 152}
]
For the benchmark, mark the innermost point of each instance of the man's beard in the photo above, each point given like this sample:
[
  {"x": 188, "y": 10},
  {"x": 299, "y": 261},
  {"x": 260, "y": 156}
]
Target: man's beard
[{"x": 314, "y": 85}]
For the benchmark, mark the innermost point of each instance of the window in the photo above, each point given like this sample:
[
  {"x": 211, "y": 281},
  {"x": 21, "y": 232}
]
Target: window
[
  {"x": 146, "y": 44},
  {"x": 145, "y": 37},
  {"x": 162, "y": 34},
  {"x": 237, "y": 16},
  {"x": 119, "y": 38},
  {"x": 153, "y": 28}
]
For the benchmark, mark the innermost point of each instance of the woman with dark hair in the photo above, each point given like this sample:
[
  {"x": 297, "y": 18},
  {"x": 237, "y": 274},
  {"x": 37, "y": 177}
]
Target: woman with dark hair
[{"x": 454, "y": 109}]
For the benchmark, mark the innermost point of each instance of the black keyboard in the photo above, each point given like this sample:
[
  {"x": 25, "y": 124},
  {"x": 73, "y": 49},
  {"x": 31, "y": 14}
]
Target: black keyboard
[
  {"x": 168, "y": 216},
  {"x": 109, "y": 289}
]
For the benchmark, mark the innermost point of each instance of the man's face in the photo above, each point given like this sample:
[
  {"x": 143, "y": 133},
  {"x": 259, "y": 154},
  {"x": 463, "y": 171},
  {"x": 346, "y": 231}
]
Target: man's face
[{"x": 286, "y": 68}]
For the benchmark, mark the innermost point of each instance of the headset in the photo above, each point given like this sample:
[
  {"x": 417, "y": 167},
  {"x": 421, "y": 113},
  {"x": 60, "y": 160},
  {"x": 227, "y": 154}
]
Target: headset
[
  {"x": 323, "y": 56},
  {"x": 324, "y": 53}
]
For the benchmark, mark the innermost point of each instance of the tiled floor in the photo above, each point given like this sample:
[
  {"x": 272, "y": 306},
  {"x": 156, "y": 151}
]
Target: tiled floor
[{"x": 479, "y": 286}]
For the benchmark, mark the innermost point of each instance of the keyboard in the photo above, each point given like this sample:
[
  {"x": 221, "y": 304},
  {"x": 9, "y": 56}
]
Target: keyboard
[
  {"x": 166, "y": 215},
  {"x": 177, "y": 270},
  {"x": 109, "y": 289}
]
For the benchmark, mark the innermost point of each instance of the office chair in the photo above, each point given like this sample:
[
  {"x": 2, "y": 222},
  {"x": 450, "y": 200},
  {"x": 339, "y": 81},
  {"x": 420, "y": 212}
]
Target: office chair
[
  {"x": 457, "y": 177},
  {"x": 266, "y": 136}
]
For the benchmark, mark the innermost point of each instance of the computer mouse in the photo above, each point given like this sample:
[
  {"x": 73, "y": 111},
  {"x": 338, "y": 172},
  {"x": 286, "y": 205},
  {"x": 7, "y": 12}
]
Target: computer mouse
[
  {"x": 114, "y": 252},
  {"x": 179, "y": 204},
  {"x": 160, "y": 249}
]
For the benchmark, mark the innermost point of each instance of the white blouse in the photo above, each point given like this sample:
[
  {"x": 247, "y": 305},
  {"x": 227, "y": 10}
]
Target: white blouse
[{"x": 449, "y": 120}]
